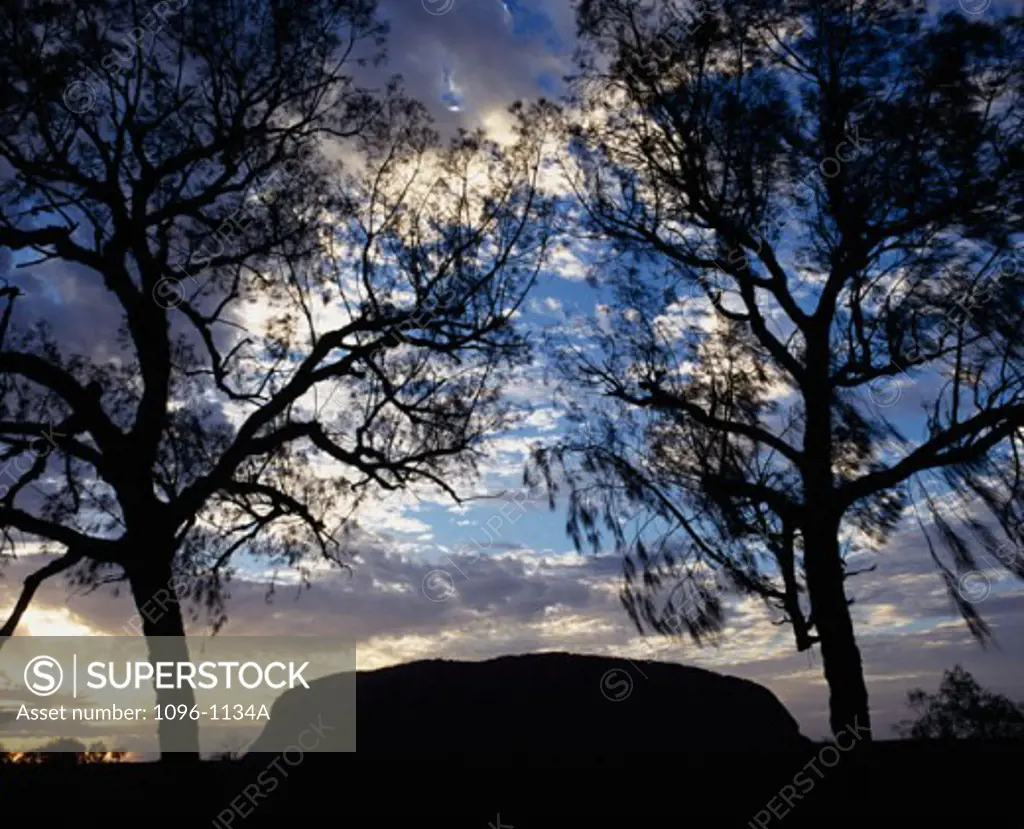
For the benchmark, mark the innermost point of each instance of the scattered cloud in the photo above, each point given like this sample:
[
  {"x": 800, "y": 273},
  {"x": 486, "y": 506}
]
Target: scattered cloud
[{"x": 496, "y": 600}]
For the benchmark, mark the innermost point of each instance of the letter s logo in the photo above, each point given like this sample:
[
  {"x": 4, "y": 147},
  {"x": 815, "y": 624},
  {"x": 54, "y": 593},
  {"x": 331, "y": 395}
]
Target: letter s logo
[
  {"x": 43, "y": 676},
  {"x": 616, "y": 685}
]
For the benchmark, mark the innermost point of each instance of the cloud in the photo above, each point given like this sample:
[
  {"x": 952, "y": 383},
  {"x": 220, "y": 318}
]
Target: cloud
[
  {"x": 496, "y": 53},
  {"x": 499, "y": 600}
]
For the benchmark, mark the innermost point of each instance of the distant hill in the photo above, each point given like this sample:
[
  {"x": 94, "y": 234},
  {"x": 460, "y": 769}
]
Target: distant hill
[{"x": 556, "y": 702}]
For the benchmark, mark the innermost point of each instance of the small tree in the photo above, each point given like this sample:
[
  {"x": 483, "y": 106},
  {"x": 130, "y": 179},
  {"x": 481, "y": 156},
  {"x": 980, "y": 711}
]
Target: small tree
[
  {"x": 961, "y": 710},
  {"x": 801, "y": 210},
  {"x": 193, "y": 183}
]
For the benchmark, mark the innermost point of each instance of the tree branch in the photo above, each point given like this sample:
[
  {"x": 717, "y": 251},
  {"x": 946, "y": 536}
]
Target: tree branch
[{"x": 31, "y": 584}]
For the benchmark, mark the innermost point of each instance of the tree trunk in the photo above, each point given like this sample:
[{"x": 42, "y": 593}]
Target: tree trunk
[
  {"x": 844, "y": 672},
  {"x": 164, "y": 628},
  {"x": 823, "y": 566}
]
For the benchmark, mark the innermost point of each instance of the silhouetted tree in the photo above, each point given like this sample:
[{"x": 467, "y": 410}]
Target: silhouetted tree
[
  {"x": 803, "y": 211},
  {"x": 962, "y": 709},
  {"x": 258, "y": 305}
]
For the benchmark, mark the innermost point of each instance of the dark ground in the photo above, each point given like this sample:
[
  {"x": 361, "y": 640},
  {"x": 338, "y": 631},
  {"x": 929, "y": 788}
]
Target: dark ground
[{"x": 899, "y": 784}]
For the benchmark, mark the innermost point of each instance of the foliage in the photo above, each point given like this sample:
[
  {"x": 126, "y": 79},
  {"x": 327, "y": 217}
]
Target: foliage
[
  {"x": 807, "y": 218},
  {"x": 278, "y": 333},
  {"x": 258, "y": 293},
  {"x": 961, "y": 710}
]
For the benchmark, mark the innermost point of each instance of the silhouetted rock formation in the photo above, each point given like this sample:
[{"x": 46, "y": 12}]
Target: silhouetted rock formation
[{"x": 539, "y": 702}]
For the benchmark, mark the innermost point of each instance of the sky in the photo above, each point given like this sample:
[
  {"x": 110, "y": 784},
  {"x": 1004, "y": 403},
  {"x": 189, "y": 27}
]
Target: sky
[{"x": 498, "y": 575}]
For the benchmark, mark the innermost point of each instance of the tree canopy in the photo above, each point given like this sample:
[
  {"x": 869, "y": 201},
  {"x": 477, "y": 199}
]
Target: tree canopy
[
  {"x": 297, "y": 294},
  {"x": 808, "y": 219}
]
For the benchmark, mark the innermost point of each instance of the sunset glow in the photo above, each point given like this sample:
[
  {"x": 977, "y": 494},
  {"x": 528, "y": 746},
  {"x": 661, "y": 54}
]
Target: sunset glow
[{"x": 54, "y": 622}]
